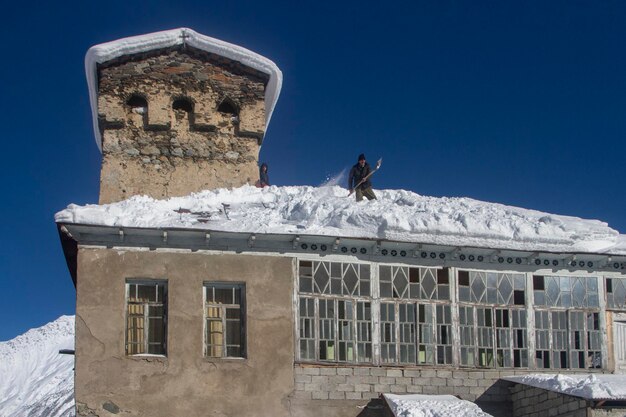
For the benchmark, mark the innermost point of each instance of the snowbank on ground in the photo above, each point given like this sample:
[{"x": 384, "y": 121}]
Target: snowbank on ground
[
  {"x": 590, "y": 387},
  {"x": 397, "y": 215},
  {"x": 35, "y": 379},
  {"x": 416, "y": 405}
]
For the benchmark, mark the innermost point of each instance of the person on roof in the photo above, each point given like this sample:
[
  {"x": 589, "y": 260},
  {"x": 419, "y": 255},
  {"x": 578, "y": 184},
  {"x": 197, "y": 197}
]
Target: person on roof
[
  {"x": 358, "y": 180},
  {"x": 264, "y": 179}
]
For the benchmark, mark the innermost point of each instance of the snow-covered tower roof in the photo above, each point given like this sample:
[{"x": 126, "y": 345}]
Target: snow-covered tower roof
[{"x": 105, "y": 52}]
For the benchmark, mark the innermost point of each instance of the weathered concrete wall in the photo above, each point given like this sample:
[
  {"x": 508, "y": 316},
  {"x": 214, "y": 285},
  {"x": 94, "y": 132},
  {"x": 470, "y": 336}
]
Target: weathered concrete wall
[
  {"x": 536, "y": 402},
  {"x": 184, "y": 383},
  {"x": 201, "y": 128}
]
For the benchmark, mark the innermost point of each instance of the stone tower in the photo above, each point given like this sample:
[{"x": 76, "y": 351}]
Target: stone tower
[{"x": 177, "y": 112}]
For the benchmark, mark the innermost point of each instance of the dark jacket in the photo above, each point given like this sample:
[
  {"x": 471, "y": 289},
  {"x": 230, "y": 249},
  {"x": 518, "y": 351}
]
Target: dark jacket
[
  {"x": 264, "y": 178},
  {"x": 357, "y": 173}
]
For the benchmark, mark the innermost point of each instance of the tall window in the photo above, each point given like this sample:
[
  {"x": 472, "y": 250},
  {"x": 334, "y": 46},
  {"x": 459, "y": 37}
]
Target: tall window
[
  {"x": 225, "y": 333},
  {"x": 418, "y": 332},
  {"x": 335, "y": 312},
  {"x": 492, "y": 319},
  {"x": 567, "y": 328},
  {"x": 146, "y": 317}
]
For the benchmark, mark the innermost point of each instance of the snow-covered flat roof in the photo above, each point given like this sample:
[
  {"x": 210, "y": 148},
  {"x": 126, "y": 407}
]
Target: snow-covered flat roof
[
  {"x": 396, "y": 215},
  {"x": 418, "y": 405},
  {"x": 588, "y": 386},
  {"x": 105, "y": 52}
]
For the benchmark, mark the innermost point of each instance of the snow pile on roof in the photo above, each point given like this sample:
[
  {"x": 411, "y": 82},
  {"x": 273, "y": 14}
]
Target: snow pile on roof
[
  {"x": 590, "y": 387},
  {"x": 105, "y": 52},
  {"x": 37, "y": 380},
  {"x": 416, "y": 405},
  {"x": 397, "y": 215}
]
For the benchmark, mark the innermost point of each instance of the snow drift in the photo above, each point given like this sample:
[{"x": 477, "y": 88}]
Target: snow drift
[
  {"x": 417, "y": 405},
  {"x": 589, "y": 387},
  {"x": 397, "y": 215}
]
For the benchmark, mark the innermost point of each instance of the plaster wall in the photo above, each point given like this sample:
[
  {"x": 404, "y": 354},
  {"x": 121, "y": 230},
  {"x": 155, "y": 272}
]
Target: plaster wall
[
  {"x": 184, "y": 383},
  {"x": 200, "y": 126}
]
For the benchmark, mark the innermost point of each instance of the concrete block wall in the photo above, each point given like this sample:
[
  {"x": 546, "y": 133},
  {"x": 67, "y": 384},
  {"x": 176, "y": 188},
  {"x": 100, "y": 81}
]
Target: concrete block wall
[
  {"x": 363, "y": 383},
  {"x": 536, "y": 402}
]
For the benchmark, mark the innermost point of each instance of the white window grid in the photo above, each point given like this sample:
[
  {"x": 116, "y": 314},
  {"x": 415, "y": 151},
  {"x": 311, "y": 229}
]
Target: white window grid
[
  {"x": 616, "y": 293},
  {"x": 334, "y": 278},
  {"x": 568, "y": 339},
  {"x": 417, "y": 283},
  {"x": 339, "y": 330},
  {"x": 501, "y": 345},
  {"x": 566, "y": 291},
  {"x": 485, "y": 287}
]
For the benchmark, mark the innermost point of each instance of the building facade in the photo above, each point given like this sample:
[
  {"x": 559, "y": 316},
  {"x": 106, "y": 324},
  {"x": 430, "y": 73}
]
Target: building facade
[{"x": 200, "y": 322}]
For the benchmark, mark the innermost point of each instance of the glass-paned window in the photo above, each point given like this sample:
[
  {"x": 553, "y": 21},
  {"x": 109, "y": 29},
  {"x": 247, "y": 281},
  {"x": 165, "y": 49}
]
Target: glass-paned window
[
  {"x": 484, "y": 287},
  {"x": 388, "y": 332},
  {"x": 566, "y": 292},
  {"x": 307, "y": 328},
  {"x": 511, "y": 343},
  {"x": 146, "y": 317},
  {"x": 616, "y": 293},
  {"x": 484, "y": 329},
  {"x": 225, "y": 333},
  {"x": 426, "y": 346},
  {"x": 334, "y": 278},
  {"x": 493, "y": 337},
  {"x": 584, "y": 340},
  {"x": 407, "y": 332},
  {"x": 335, "y": 315},
  {"x": 364, "y": 331},
  {"x": 415, "y": 333},
  {"x": 344, "y": 331},
  {"x": 416, "y": 283},
  {"x": 467, "y": 333},
  {"x": 567, "y": 339}
]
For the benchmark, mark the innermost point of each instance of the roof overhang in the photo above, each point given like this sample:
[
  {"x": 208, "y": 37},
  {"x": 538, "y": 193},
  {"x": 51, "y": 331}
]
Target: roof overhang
[
  {"x": 105, "y": 52},
  {"x": 376, "y": 250}
]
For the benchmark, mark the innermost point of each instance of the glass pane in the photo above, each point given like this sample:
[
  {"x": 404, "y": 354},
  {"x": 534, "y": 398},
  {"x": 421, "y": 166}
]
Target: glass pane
[
  {"x": 321, "y": 278},
  {"x": 233, "y": 332},
  {"x": 306, "y": 268},
  {"x": 429, "y": 283},
  {"x": 234, "y": 351},
  {"x": 224, "y": 295},
  {"x": 156, "y": 349},
  {"x": 146, "y": 293},
  {"x": 233, "y": 313},
  {"x": 351, "y": 279},
  {"x": 384, "y": 273},
  {"x": 400, "y": 283},
  {"x": 306, "y": 284},
  {"x": 155, "y": 330},
  {"x": 385, "y": 289},
  {"x": 155, "y": 311}
]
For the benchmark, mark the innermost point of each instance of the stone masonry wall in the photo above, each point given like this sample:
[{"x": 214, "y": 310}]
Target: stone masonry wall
[
  {"x": 178, "y": 121},
  {"x": 537, "y": 402}
]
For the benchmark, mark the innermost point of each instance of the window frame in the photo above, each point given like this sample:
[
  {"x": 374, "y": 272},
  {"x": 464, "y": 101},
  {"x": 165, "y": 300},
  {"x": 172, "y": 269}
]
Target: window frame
[
  {"x": 512, "y": 335},
  {"x": 241, "y": 286},
  {"x": 129, "y": 282}
]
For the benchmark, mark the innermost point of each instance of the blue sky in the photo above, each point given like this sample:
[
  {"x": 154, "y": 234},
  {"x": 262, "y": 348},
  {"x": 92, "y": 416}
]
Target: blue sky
[{"x": 521, "y": 103}]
